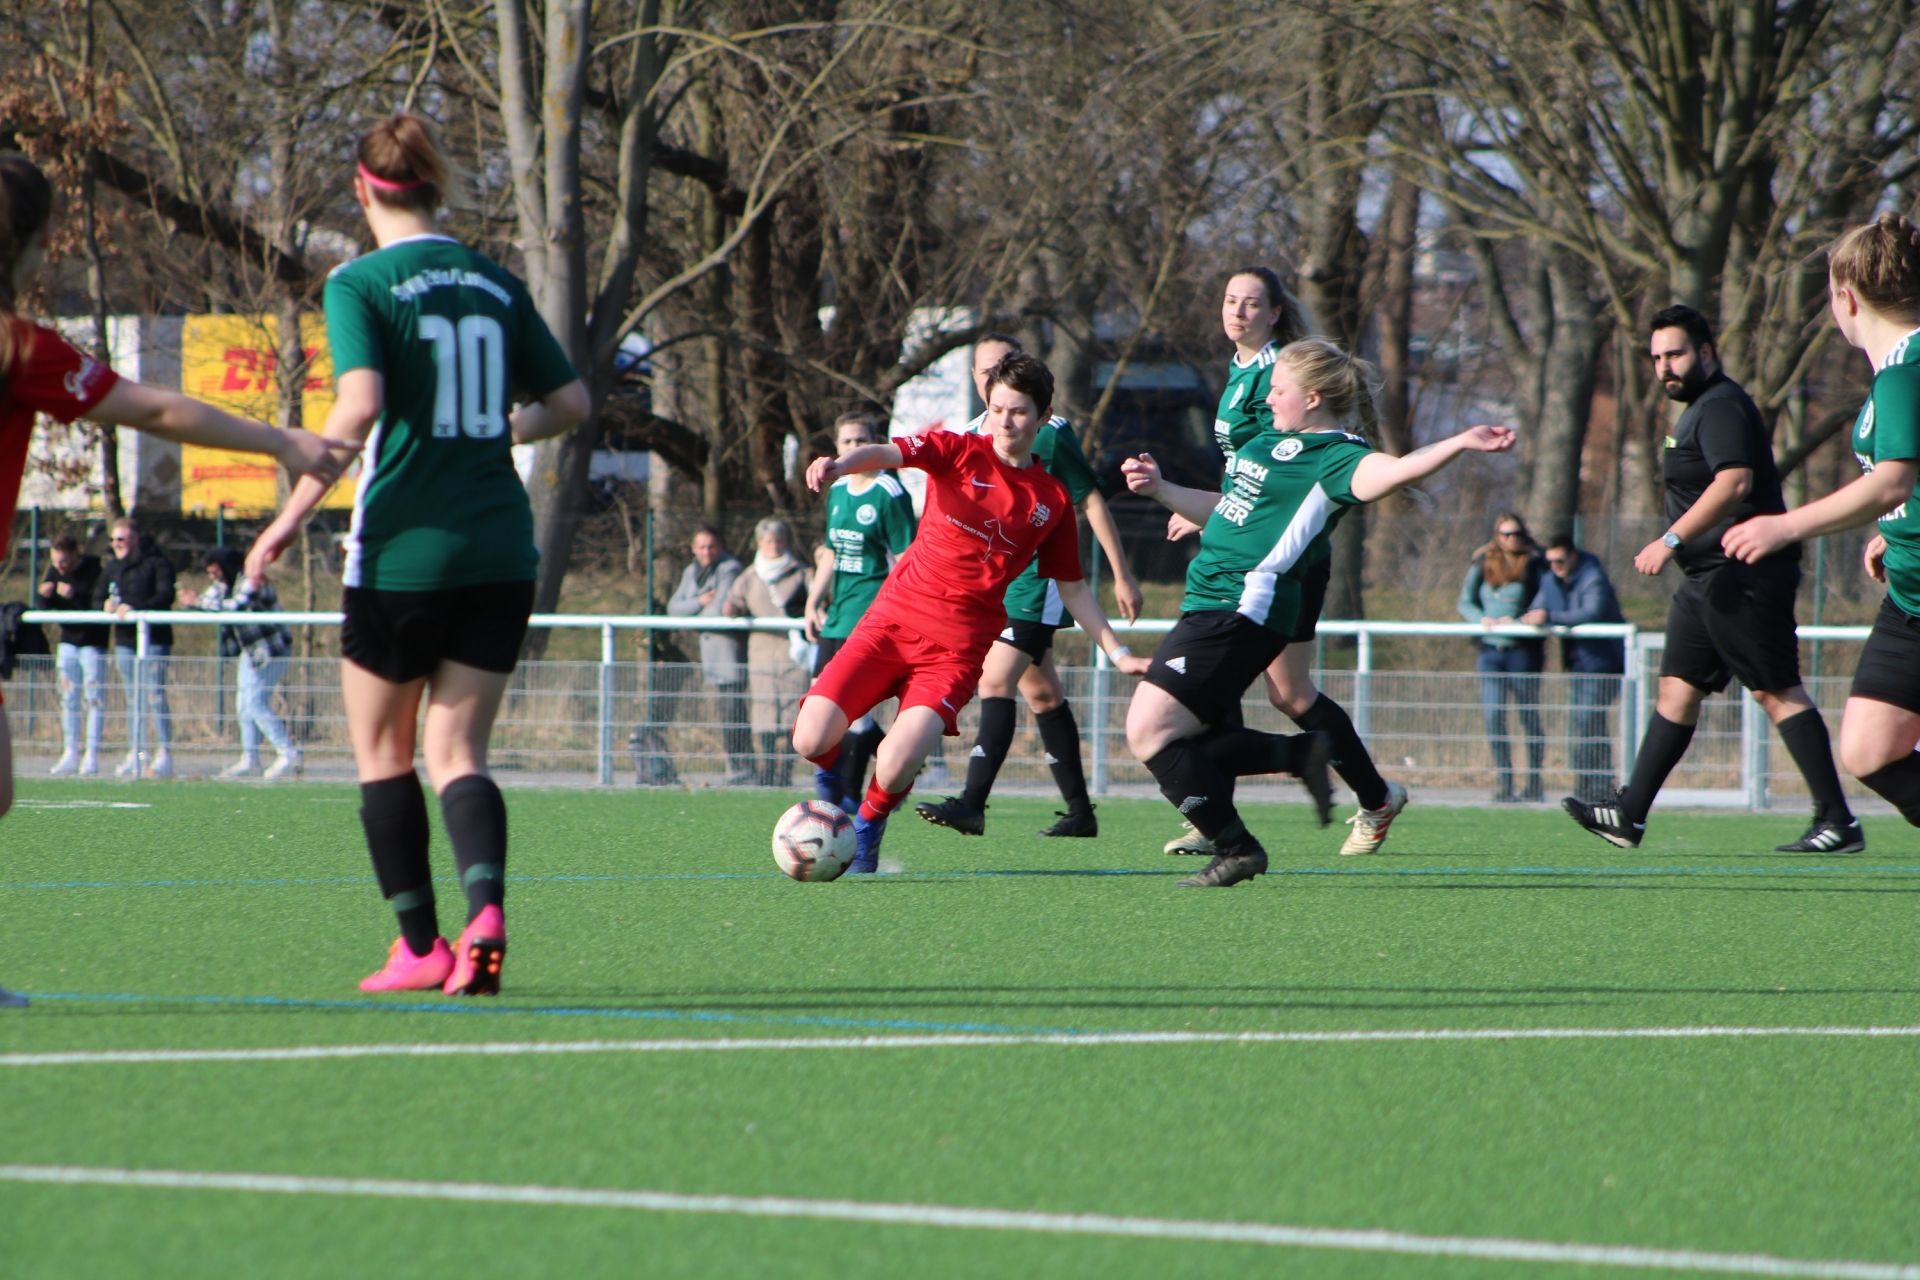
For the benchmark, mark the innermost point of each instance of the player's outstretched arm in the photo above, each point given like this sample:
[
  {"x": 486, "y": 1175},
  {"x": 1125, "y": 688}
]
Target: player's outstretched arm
[
  {"x": 1867, "y": 499},
  {"x": 1126, "y": 588},
  {"x": 172, "y": 416},
  {"x": 554, "y": 414},
  {"x": 1381, "y": 474},
  {"x": 1143, "y": 477},
  {"x": 359, "y": 395},
  {"x": 822, "y": 472},
  {"x": 1080, "y": 602}
]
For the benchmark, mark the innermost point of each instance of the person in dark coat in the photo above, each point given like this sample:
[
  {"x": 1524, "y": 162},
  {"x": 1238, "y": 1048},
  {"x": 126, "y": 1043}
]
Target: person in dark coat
[
  {"x": 1575, "y": 590},
  {"x": 81, "y": 657},
  {"x": 140, "y": 577}
]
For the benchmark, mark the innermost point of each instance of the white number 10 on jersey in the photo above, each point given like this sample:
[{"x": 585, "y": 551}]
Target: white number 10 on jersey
[{"x": 470, "y": 397}]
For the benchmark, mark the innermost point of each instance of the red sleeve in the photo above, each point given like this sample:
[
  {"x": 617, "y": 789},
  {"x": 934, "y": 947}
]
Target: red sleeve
[
  {"x": 1059, "y": 553},
  {"x": 50, "y": 376},
  {"x": 934, "y": 451}
]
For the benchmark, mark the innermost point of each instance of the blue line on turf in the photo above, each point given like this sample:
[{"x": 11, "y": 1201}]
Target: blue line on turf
[
  {"x": 1841, "y": 868},
  {"x": 668, "y": 1015}
]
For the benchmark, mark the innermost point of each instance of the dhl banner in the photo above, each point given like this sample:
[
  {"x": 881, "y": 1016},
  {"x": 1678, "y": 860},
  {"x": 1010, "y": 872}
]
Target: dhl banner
[{"x": 229, "y": 361}]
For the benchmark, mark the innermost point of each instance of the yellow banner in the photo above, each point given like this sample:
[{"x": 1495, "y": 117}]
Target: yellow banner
[{"x": 229, "y": 362}]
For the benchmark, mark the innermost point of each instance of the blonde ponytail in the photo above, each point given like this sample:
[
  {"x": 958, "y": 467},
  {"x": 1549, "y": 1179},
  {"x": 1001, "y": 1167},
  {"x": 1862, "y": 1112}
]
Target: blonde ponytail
[{"x": 1344, "y": 383}]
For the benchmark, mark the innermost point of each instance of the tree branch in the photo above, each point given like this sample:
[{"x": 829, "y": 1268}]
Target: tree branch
[{"x": 201, "y": 220}]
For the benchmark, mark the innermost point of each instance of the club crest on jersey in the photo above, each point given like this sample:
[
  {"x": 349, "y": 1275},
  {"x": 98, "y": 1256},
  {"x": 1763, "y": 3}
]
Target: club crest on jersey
[
  {"x": 1041, "y": 514},
  {"x": 866, "y": 515},
  {"x": 1287, "y": 450},
  {"x": 1865, "y": 428},
  {"x": 76, "y": 380}
]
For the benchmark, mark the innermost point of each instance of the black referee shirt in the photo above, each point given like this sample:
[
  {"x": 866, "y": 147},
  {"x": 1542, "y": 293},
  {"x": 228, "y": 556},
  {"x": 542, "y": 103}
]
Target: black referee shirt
[{"x": 1722, "y": 428}]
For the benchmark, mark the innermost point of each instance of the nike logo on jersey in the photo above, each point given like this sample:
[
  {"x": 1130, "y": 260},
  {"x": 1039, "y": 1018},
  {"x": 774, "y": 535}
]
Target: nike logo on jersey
[
  {"x": 981, "y": 484},
  {"x": 1178, "y": 664}
]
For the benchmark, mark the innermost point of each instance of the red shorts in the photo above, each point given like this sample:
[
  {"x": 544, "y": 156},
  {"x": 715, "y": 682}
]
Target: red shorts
[{"x": 880, "y": 660}]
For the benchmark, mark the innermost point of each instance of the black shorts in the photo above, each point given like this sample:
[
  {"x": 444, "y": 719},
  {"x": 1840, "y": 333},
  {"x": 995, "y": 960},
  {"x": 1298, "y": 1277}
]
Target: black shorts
[
  {"x": 1313, "y": 598},
  {"x": 823, "y": 653},
  {"x": 1030, "y": 638},
  {"x": 1735, "y": 622},
  {"x": 403, "y": 635},
  {"x": 1208, "y": 660},
  {"x": 1890, "y": 664}
]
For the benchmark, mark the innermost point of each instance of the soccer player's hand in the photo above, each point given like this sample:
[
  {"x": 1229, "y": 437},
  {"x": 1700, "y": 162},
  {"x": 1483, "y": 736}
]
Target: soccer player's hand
[
  {"x": 1755, "y": 539},
  {"x": 1132, "y": 664},
  {"x": 1485, "y": 439},
  {"x": 821, "y": 472},
  {"x": 1128, "y": 595},
  {"x": 1876, "y": 558},
  {"x": 1142, "y": 474},
  {"x": 1178, "y": 527},
  {"x": 1653, "y": 557},
  {"x": 304, "y": 453}
]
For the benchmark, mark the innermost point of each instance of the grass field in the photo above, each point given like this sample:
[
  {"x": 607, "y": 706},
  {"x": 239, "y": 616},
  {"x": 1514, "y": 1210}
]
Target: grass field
[{"x": 232, "y": 917}]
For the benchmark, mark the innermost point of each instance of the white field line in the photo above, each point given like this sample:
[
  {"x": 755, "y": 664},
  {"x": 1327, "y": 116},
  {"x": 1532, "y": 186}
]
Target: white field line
[
  {"x": 514, "y": 1048},
  {"x": 930, "y": 1215}
]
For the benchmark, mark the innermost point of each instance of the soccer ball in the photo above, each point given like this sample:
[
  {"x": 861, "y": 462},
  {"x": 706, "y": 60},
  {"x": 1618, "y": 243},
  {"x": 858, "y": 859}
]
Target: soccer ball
[{"x": 813, "y": 841}]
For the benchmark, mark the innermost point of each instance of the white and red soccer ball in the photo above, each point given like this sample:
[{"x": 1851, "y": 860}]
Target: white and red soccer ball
[{"x": 813, "y": 841}]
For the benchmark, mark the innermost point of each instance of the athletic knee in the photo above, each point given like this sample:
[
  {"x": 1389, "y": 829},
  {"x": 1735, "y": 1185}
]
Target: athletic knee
[
  {"x": 1861, "y": 760},
  {"x": 1042, "y": 701}
]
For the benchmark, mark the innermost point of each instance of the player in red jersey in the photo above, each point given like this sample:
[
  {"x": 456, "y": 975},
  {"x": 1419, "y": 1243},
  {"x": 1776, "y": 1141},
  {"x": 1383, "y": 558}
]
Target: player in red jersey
[
  {"x": 40, "y": 372},
  {"x": 989, "y": 511}
]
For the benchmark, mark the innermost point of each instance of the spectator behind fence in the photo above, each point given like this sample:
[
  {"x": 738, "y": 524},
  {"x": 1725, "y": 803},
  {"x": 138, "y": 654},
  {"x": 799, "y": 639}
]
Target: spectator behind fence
[
  {"x": 1502, "y": 580},
  {"x": 262, "y": 648},
  {"x": 139, "y": 577},
  {"x": 1576, "y": 590},
  {"x": 775, "y": 586},
  {"x": 82, "y": 655},
  {"x": 703, "y": 593}
]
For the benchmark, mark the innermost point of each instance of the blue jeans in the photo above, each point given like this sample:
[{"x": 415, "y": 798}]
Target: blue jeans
[
  {"x": 255, "y": 706},
  {"x": 153, "y": 679},
  {"x": 1592, "y": 748},
  {"x": 1513, "y": 672},
  {"x": 82, "y": 668}
]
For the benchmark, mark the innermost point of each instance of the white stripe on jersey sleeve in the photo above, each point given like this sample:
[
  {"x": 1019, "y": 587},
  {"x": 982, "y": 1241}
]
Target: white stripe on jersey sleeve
[
  {"x": 1256, "y": 596},
  {"x": 893, "y": 487}
]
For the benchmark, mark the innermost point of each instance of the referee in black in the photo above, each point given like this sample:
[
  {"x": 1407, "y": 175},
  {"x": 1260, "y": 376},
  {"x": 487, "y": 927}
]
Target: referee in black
[{"x": 1728, "y": 620}]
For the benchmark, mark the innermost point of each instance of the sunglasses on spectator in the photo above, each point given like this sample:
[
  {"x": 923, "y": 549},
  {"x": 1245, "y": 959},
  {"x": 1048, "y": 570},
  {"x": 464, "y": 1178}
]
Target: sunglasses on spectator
[
  {"x": 1559, "y": 559},
  {"x": 1513, "y": 533}
]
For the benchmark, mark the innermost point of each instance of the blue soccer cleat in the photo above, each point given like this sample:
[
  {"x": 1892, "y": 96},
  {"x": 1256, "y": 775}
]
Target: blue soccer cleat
[
  {"x": 866, "y": 845},
  {"x": 827, "y": 786}
]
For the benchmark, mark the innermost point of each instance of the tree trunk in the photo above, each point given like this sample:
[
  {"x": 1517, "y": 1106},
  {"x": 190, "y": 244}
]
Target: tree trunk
[
  {"x": 1395, "y": 317},
  {"x": 106, "y": 437},
  {"x": 1567, "y": 372}
]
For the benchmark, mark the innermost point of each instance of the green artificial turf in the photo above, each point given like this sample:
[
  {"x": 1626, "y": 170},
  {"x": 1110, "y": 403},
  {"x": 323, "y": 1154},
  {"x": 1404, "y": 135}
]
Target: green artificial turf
[{"x": 232, "y": 916}]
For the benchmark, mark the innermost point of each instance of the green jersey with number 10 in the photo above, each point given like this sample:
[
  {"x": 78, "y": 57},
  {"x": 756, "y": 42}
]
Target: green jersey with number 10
[
  {"x": 864, "y": 531},
  {"x": 454, "y": 338},
  {"x": 1888, "y": 430},
  {"x": 1285, "y": 492}
]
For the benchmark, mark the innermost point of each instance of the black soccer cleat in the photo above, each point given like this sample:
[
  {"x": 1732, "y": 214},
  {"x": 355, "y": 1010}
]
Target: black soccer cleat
[
  {"x": 956, "y": 812},
  {"x": 1242, "y": 861},
  {"x": 1080, "y": 825},
  {"x": 1828, "y": 837},
  {"x": 1608, "y": 821},
  {"x": 1315, "y": 758}
]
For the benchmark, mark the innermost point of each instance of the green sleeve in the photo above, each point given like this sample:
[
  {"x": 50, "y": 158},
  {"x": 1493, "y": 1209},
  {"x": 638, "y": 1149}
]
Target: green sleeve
[
  {"x": 1070, "y": 466},
  {"x": 1896, "y": 414},
  {"x": 898, "y": 523},
  {"x": 540, "y": 367},
  {"x": 353, "y": 330},
  {"x": 1336, "y": 473}
]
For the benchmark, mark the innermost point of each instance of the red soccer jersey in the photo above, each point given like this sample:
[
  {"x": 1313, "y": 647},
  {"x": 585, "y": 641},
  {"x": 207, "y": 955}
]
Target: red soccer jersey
[
  {"x": 984, "y": 521},
  {"x": 49, "y": 376}
]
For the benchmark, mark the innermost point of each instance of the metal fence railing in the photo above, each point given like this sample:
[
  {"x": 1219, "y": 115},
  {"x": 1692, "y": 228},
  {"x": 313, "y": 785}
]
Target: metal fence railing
[{"x": 660, "y": 723}]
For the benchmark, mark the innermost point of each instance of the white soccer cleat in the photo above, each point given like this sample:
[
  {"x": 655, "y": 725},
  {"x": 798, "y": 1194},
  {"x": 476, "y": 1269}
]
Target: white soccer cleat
[
  {"x": 1189, "y": 843},
  {"x": 290, "y": 763},
  {"x": 66, "y": 764},
  {"x": 1370, "y": 825}
]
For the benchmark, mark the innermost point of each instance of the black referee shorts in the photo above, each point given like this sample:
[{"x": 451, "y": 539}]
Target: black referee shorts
[
  {"x": 1208, "y": 660},
  {"x": 1890, "y": 664},
  {"x": 1030, "y": 638},
  {"x": 403, "y": 635},
  {"x": 1735, "y": 622}
]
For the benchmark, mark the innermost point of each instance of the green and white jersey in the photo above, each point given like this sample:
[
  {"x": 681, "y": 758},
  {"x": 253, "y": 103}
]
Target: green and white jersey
[
  {"x": 455, "y": 339},
  {"x": 1030, "y": 597},
  {"x": 1243, "y": 412},
  {"x": 1888, "y": 430},
  {"x": 866, "y": 530},
  {"x": 1285, "y": 492}
]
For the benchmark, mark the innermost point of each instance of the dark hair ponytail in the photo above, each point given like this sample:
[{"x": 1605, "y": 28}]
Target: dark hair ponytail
[
  {"x": 1294, "y": 322},
  {"x": 26, "y": 203}
]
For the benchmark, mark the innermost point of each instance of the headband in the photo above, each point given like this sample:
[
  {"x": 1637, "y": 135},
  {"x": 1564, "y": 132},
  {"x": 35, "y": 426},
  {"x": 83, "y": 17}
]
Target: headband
[{"x": 379, "y": 183}]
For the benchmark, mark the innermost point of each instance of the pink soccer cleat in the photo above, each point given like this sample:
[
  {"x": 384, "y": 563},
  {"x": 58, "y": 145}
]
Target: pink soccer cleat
[
  {"x": 478, "y": 957},
  {"x": 406, "y": 971}
]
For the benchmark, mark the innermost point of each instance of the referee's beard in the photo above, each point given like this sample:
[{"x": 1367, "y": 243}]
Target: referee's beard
[{"x": 1686, "y": 390}]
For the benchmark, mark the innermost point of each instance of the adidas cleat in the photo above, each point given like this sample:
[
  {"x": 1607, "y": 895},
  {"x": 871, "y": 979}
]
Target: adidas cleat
[
  {"x": 1081, "y": 825},
  {"x": 956, "y": 812},
  {"x": 1828, "y": 837},
  {"x": 1316, "y": 755},
  {"x": 1190, "y": 844},
  {"x": 866, "y": 845},
  {"x": 1242, "y": 861},
  {"x": 1370, "y": 825},
  {"x": 1608, "y": 821},
  {"x": 478, "y": 957}
]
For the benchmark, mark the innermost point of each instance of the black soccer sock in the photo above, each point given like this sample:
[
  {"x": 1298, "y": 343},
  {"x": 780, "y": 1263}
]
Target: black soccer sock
[
  {"x": 1350, "y": 758},
  {"x": 476, "y": 818},
  {"x": 1899, "y": 785},
  {"x": 861, "y": 745},
  {"x": 1660, "y": 750},
  {"x": 394, "y": 813},
  {"x": 989, "y": 749},
  {"x": 1060, "y": 736},
  {"x": 1806, "y": 737},
  {"x": 1240, "y": 752},
  {"x": 1193, "y": 784}
]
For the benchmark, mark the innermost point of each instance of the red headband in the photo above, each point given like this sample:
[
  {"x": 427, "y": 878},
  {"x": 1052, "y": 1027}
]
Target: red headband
[{"x": 379, "y": 183}]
